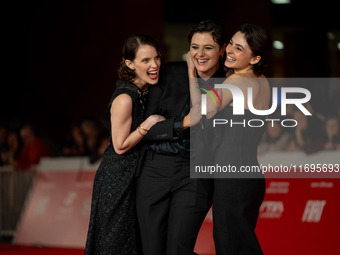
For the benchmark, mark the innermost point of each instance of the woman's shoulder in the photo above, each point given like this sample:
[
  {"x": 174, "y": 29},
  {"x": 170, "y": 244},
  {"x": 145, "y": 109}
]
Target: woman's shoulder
[
  {"x": 126, "y": 90},
  {"x": 126, "y": 87},
  {"x": 123, "y": 98},
  {"x": 236, "y": 75},
  {"x": 239, "y": 80},
  {"x": 122, "y": 101},
  {"x": 121, "y": 84},
  {"x": 122, "y": 94},
  {"x": 248, "y": 76},
  {"x": 246, "y": 80}
]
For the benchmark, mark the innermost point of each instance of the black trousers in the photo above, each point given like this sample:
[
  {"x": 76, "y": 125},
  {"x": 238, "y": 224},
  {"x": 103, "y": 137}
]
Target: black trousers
[
  {"x": 170, "y": 206},
  {"x": 236, "y": 204}
]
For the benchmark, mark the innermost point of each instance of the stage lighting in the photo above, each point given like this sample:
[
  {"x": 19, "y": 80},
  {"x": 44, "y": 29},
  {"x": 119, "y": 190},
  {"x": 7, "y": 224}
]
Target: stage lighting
[{"x": 278, "y": 45}]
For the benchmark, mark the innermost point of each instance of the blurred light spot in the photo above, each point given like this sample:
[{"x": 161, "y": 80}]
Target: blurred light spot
[
  {"x": 338, "y": 45},
  {"x": 278, "y": 45},
  {"x": 281, "y": 1},
  {"x": 184, "y": 57},
  {"x": 330, "y": 36}
]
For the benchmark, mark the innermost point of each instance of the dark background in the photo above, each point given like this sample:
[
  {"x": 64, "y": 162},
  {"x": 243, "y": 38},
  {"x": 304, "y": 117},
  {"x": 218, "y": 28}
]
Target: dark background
[{"x": 60, "y": 57}]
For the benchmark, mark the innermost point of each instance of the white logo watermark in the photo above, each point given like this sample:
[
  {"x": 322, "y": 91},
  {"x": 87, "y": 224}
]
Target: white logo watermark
[
  {"x": 238, "y": 100},
  {"x": 238, "y": 105}
]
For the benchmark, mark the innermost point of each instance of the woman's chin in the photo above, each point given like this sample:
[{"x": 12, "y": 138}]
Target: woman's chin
[
  {"x": 202, "y": 69},
  {"x": 153, "y": 81}
]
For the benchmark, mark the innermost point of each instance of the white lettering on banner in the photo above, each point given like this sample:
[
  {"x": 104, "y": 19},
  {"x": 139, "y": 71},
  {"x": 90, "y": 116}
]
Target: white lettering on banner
[
  {"x": 313, "y": 210},
  {"x": 71, "y": 197},
  {"x": 42, "y": 204},
  {"x": 322, "y": 185},
  {"x": 278, "y": 188},
  {"x": 271, "y": 209}
]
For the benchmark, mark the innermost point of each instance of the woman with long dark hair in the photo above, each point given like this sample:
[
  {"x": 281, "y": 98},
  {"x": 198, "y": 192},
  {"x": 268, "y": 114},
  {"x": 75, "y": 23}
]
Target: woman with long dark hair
[{"x": 237, "y": 197}]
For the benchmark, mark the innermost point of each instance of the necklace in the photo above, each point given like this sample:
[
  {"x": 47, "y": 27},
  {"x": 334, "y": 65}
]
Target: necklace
[{"x": 142, "y": 95}]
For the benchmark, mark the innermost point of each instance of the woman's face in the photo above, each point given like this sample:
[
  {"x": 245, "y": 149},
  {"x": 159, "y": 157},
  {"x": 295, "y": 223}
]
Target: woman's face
[
  {"x": 146, "y": 65},
  {"x": 239, "y": 54},
  {"x": 205, "y": 53}
]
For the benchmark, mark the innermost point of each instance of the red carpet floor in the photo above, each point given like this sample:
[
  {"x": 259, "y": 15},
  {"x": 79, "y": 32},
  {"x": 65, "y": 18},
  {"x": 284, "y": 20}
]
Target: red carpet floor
[{"x": 8, "y": 249}]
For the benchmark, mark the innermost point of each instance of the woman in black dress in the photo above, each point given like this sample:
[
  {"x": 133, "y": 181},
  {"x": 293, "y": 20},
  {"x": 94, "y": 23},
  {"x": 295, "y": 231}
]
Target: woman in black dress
[
  {"x": 113, "y": 228},
  {"x": 237, "y": 198}
]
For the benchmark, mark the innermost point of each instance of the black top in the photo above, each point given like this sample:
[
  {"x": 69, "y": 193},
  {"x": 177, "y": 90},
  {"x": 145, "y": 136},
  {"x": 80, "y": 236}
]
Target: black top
[
  {"x": 138, "y": 98},
  {"x": 180, "y": 144}
]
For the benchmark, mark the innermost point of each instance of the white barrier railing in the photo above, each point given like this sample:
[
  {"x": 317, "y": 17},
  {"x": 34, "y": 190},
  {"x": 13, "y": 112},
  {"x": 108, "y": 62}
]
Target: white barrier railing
[{"x": 14, "y": 187}]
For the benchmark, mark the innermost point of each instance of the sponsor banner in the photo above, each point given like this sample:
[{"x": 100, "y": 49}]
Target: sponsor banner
[
  {"x": 297, "y": 216},
  {"x": 58, "y": 210}
]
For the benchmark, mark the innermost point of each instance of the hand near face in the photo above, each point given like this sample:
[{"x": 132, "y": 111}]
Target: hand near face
[
  {"x": 195, "y": 114},
  {"x": 191, "y": 65}
]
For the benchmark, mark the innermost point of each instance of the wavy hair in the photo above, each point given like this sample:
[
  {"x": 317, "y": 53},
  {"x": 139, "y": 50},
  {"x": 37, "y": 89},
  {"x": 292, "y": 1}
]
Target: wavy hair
[
  {"x": 208, "y": 26},
  {"x": 260, "y": 44},
  {"x": 129, "y": 51}
]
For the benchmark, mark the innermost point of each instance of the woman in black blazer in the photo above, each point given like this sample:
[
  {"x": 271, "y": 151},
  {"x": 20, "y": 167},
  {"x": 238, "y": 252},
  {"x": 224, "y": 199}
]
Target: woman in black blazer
[{"x": 171, "y": 206}]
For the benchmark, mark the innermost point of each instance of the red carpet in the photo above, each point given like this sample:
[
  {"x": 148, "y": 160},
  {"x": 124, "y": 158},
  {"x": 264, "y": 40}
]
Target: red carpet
[{"x": 8, "y": 249}]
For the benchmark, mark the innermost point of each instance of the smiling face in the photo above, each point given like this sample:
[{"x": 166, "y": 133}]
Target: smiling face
[
  {"x": 239, "y": 55},
  {"x": 146, "y": 66},
  {"x": 205, "y": 53}
]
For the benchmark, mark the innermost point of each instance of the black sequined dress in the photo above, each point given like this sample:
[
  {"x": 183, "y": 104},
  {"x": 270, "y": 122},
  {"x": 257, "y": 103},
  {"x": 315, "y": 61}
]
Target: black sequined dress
[{"x": 113, "y": 228}]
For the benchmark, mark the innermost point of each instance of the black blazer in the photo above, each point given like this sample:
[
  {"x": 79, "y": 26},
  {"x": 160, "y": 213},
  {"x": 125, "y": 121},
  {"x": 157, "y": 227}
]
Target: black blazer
[{"x": 167, "y": 98}]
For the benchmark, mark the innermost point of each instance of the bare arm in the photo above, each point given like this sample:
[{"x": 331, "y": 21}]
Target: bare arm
[
  {"x": 212, "y": 103},
  {"x": 121, "y": 120},
  {"x": 196, "y": 97},
  {"x": 236, "y": 80},
  {"x": 195, "y": 93}
]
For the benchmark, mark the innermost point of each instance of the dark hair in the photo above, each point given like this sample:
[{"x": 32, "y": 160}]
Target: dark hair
[
  {"x": 260, "y": 44},
  {"x": 208, "y": 26},
  {"x": 129, "y": 51}
]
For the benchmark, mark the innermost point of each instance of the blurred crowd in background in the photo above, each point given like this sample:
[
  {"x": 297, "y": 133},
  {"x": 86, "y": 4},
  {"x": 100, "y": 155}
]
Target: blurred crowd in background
[
  {"x": 22, "y": 147},
  {"x": 312, "y": 133}
]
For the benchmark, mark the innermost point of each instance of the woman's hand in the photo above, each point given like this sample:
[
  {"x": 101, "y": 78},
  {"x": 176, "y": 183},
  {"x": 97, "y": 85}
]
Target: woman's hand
[
  {"x": 152, "y": 120},
  {"x": 191, "y": 66},
  {"x": 186, "y": 122}
]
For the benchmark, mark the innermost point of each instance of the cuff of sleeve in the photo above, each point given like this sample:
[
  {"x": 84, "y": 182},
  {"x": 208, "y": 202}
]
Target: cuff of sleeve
[{"x": 178, "y": 128}]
